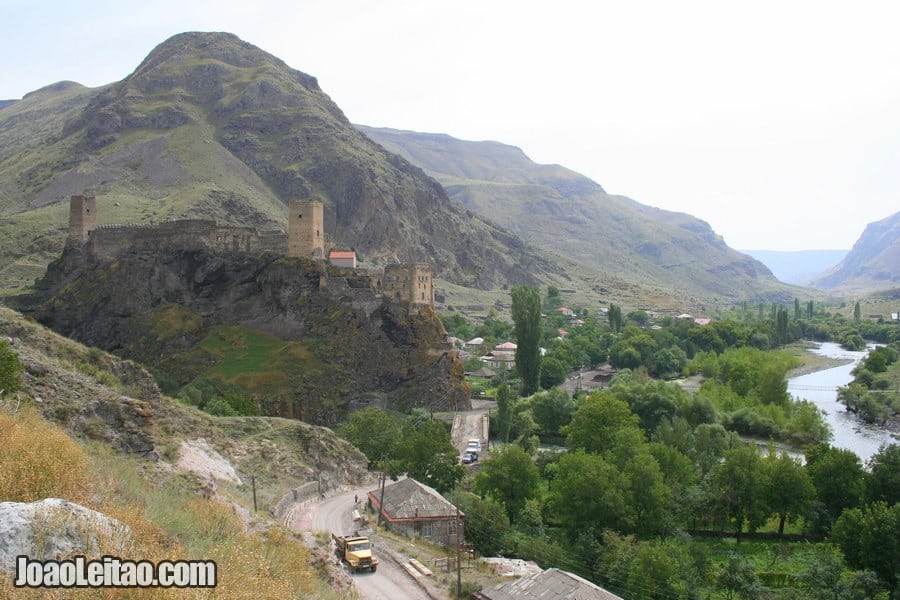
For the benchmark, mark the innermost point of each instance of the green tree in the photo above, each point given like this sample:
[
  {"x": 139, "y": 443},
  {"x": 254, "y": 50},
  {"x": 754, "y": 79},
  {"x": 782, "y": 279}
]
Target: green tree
[
  {"x": 486, "y": 523},
  {"x": 426, "y": 454},
  {"x": 810, "y": 309},
  {"x": 588, "y": 491},
  {"x": 374, "y": 431},
  {"x": 526, "y": 314},
  {"x": 504, "y": 412},
  {"x": 510, "y": 477},
  {"x": 552, "y": 410},
  {"x": 870, "y": 539},
  {"x": 857, "y": 312},
  {"x": 796, "y": 309},
  {"x": 553, "y": 372},
  {"x": 738, "y": 483},
  {"x": 838, "y": 477},
  {"x": 789, "y": 492},
  {"x": 10, "y": 370},
  {"x": 649, "y": 495},
  {"x": 614, "y": 314},
  {"x": 602, "y": 423},
  {"x": 737, "y": 579},
  {"x": 781, "y": 326},
  {"x": 883, "y": 482}
]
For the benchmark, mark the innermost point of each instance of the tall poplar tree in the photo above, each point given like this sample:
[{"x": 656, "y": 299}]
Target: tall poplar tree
[{"x": 526, "y": 314}]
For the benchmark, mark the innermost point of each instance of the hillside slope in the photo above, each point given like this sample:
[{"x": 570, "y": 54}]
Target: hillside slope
[
  {"x": 564, "y": 212},
  {"x": 211, "y": 126},
  {"x": 873, "y": 263},
  {"x": 128, "y": 464}
]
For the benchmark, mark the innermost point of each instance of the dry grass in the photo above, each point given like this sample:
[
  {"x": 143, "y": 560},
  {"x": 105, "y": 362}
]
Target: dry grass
[
  {"x": 166, "y": 518},
  {"x": 38, "y": 460}
]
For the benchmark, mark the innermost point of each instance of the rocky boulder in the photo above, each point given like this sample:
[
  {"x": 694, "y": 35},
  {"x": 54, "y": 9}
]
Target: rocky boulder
[{"x": 53, "y": 529}]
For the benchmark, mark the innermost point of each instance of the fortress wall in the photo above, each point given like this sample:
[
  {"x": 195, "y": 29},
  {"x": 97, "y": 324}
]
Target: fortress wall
[{"x": 110, "y": 241}]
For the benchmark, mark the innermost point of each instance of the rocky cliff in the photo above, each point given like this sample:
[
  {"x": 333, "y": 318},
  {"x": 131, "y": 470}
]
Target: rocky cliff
[
  {"x": 872, "y": 265},
  {"x": 303, "y": 339}
]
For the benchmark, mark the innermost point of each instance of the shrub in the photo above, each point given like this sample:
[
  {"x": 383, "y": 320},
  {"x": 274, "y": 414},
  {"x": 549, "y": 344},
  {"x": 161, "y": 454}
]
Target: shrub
[{"x": 10, "y": 370}]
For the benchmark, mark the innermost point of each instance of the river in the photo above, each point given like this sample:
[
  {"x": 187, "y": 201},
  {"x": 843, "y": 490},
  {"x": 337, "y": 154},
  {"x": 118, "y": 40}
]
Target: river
[{"x": 821, "y": 388}]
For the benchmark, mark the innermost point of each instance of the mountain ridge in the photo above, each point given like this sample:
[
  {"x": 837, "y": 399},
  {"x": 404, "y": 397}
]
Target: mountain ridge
[
  {"x": 556, "y": 208},
  {"x": 873, "y": 264}
]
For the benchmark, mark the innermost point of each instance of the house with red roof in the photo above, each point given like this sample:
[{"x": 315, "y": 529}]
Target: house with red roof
[{"x": 343, "y": 258}]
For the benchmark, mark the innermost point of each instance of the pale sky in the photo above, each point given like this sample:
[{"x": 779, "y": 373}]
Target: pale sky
[{"x": 776, "y": 122}]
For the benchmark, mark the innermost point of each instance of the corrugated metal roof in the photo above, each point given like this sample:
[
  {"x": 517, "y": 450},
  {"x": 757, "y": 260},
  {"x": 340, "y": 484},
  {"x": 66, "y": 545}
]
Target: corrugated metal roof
[
  {"x": 341, "y": 254},
  {"x": 409, "y": 499},
  {"x": 552, "y": 584}
]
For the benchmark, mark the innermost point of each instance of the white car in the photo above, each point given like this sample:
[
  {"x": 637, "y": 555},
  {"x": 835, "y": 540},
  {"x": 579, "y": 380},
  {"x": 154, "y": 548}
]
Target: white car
[{"x": 473, "y": 446}]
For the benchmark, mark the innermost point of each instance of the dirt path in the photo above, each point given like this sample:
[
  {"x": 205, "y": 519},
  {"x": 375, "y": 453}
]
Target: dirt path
[{"x": 335, "y": 514}]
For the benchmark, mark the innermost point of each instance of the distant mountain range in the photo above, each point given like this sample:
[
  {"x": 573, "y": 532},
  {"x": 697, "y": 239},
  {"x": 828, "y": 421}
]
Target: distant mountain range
[
  {"x": 211, "y": 126},
  {"x": 565, "y": 213},
  {"x": 872, "y": 265},
  {"x": 797, "y": 267}
]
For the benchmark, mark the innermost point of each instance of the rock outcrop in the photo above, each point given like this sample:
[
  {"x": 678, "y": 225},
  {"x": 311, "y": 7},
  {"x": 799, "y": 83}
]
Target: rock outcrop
[
  {"x": 343, "y": 346},
  {"x": 53, "y": 529}
]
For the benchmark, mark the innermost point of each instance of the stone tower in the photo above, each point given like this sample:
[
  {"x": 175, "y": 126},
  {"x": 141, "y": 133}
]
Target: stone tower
[
  {"x": 306, "y": 229},
  {"x": 82, "y": 218},
  {"x": 412, "y": 284}
]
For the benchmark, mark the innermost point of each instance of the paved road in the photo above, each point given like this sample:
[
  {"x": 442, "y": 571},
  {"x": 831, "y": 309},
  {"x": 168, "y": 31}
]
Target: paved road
[
  {"x": 472, "y": 424},
  {"x": 390, "y": 581}
]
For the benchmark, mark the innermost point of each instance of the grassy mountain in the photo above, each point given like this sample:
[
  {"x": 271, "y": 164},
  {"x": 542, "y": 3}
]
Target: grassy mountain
[
  {"x": 565, "y": 213},
  {"x": 873, "y": 263},
  {"x": 211, "y": 126},
  {"x": 797, "y": 267}
]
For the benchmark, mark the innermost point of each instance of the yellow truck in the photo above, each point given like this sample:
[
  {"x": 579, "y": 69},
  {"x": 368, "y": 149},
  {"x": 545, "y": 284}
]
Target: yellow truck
[{"x": 356, "y": 551}]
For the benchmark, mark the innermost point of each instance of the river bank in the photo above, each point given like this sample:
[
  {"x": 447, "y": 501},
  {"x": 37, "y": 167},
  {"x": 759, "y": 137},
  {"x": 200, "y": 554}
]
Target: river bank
[
  {"x": 820, "y": 386},
  {"x": 810, "y": 362}
]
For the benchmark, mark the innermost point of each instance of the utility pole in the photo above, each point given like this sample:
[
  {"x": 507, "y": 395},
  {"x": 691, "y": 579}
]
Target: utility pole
[
  {"x": 458, "y": 553},
  {"x": 383, "y": 477}
]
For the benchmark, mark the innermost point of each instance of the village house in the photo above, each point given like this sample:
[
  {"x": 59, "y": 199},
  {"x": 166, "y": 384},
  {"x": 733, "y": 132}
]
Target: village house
[
  {"x": 499, "y": 359},
  {"x": 506, "y": 347},
  {"x": 566, "y": 311},
  {"x": 412, "y": 508},
  {"x": 474, "y": 345}
]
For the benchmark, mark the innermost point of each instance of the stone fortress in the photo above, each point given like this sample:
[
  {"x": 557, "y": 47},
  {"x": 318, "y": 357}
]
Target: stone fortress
[{"x": 408, "y": 284}]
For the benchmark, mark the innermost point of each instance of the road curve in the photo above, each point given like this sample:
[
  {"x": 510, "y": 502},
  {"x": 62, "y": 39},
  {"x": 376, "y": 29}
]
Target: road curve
[{"x": 335, "y": 514}]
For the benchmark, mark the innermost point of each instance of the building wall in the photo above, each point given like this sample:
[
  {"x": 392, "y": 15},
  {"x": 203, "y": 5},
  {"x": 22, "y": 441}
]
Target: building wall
[
  {"x": 82, "y": 218},
  {"x": 306, "y": 229},
  {"x": 410, "y": 284},
  {"x": 110, "y": 241},
  {"x": 440, "y": 530},
  {"x": 346, "y": 263}
]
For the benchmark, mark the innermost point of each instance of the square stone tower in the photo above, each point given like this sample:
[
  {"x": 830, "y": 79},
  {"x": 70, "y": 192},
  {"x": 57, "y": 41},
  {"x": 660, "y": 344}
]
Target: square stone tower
[
  {"x": 412, "y": 284},
  {"x": 82, "y": 218},
  {"x": 306, "y": 229}
]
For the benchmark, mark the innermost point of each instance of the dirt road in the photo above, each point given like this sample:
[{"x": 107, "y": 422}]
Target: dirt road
[{"x": 335, "y": 514}]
